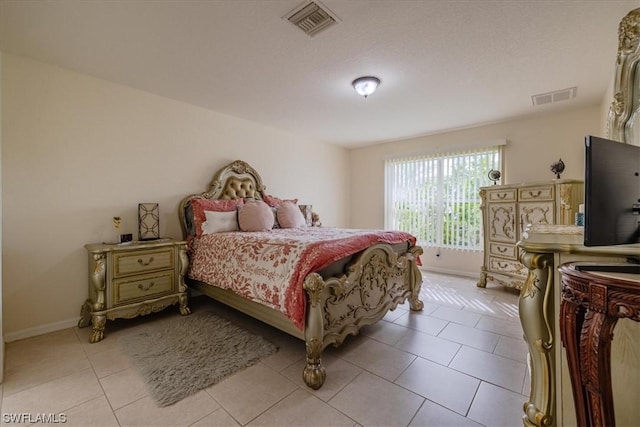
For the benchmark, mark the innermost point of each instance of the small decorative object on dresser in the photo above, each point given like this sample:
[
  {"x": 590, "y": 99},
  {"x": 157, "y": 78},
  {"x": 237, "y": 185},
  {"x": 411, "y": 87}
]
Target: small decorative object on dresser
[
  {"x": 494, "y": 176},
  {"x": 148, "y": 221},
  {"x": 508, "y": 209},
  {"x": 133, "y": 280},
  {"x": 557, "y": 168}
]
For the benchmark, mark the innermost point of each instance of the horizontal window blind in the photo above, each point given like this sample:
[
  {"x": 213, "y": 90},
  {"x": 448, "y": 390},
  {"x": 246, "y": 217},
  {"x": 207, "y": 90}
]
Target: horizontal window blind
[{"x": 436, "y": 197}]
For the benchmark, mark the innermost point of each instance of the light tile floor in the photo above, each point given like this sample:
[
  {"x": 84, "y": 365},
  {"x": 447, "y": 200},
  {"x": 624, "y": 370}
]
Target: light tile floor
[{"x": 460, "y": 362}]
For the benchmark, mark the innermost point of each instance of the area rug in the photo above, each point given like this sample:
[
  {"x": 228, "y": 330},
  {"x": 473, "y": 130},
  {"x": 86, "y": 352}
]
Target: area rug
[{"x": 182, "y": 355}]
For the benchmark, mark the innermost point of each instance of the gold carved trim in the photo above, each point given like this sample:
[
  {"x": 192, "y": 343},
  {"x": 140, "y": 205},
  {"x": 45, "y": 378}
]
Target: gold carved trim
[
  {"x": 535, "y": 308},
  {"x": 620, "y": 109},
  {"x": 376, "y": 281}
]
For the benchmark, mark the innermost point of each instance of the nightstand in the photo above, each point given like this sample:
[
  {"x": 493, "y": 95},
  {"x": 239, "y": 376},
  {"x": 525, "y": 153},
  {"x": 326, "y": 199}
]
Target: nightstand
[{"x": 129, "y": 280}]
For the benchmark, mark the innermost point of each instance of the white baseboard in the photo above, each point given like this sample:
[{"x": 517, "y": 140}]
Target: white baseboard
[{"x": 41, "y": 330}]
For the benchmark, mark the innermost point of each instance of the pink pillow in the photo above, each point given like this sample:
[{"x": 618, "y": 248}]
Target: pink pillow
[
  {"x": 275, "y": 202},
  {"x": 290, "y": 216},
  {"x": 200, "y": 205},
  {"x": 255, "y": 216}
]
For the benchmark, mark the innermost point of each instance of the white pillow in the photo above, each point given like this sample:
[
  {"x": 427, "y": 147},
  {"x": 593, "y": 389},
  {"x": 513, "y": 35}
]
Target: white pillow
[
  {"x": 219, "y": 222},
  {"x": 290, "y": 216}
]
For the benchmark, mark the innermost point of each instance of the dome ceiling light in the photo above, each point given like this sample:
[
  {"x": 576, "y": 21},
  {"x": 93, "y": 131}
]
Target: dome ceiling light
[{"x": 365, "y": 86}]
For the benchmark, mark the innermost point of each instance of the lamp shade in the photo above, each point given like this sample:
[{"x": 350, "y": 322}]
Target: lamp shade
[{"x": 365, "y": 86}]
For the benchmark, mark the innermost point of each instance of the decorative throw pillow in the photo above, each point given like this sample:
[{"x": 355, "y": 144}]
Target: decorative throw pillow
[
  {"x": 200, "y": 205},
  {"x": 275, "y": 201},
  {"x": 219, "y": 222},
  {"x": 290, "y": 216},
  {"x": 255, "y": 216}
]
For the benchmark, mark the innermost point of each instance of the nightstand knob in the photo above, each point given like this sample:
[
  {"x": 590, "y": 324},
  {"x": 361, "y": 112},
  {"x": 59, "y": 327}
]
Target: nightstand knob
[{"x": 145, "y": 263}]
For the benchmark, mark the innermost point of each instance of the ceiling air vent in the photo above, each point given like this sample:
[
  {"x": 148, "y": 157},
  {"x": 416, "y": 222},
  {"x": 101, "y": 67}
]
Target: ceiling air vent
[
  {"x": 557, "y": 96},
  {"x": 310, "y": 18}
]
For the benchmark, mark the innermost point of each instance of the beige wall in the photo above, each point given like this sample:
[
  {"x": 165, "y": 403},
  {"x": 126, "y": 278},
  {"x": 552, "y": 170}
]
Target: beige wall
[
  {"x": 532, "y": 145},
  {"x": 77, "y": 151}
]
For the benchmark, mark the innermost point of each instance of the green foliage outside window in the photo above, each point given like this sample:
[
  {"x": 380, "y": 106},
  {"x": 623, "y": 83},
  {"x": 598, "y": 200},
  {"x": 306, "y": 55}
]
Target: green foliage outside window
[{"x": 438, "y": 200}]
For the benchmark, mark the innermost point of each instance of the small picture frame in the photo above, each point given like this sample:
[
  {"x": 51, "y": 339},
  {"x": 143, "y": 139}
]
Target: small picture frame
[{"x": 148, "y": 221}]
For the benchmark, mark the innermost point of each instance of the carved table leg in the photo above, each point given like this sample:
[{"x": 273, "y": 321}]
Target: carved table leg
[
  {"x": 588, "y": 342},
  {"x": 535, "y": 307},
  {"x": 571, "y": 321},
  {"x": 595, "y": 349}
]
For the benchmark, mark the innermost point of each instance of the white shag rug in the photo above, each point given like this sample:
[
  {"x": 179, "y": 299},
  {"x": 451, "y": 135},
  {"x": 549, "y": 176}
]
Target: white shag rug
[{"x": 183, "y": 355}]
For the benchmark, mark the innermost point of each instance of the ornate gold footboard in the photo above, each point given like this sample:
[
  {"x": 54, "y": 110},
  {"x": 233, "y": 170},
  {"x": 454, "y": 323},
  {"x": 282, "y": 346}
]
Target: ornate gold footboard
[{"x": 376, "y": 281}]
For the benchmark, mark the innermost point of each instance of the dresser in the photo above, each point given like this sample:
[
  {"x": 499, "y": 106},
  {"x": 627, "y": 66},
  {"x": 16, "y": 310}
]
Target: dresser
[
  {"x": 508, "y": 209},
  {"x": 130, "y": 280}
]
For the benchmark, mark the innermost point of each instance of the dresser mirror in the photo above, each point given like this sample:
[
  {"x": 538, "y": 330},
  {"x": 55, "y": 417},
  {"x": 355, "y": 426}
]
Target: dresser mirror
[{"x": 623, "y": 122}]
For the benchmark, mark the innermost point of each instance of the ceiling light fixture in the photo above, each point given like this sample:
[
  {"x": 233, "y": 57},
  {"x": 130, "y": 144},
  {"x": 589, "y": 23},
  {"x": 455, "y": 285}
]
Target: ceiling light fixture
[{"x": 365, "y": 86}]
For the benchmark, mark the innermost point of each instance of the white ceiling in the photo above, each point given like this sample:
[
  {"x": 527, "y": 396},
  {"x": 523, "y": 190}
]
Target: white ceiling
[{"x": 443, "y": 64}]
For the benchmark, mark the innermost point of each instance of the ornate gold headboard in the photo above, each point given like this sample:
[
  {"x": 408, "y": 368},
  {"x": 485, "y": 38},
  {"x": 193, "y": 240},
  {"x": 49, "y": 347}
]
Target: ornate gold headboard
[
  {"x": 623, "y": 122},
  {"x": 237, "y": 180}
]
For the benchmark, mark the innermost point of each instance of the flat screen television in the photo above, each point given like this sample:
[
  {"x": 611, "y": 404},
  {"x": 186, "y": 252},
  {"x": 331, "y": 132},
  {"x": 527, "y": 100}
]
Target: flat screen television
[{"x": 612, "y": 193}]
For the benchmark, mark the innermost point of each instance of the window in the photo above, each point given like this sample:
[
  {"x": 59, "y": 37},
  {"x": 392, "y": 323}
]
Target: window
[{"x": 435, "y": 197}]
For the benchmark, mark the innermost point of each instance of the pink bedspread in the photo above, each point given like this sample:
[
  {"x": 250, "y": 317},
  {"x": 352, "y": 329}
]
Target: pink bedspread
[{"x": 269, "y": 267}]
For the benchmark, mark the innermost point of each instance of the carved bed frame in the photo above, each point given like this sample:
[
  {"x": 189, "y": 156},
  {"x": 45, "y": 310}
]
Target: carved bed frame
[{"x": 368, "y": 285}]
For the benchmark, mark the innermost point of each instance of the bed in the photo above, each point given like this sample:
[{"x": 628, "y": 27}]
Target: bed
[{"x": 325, "y": 298}]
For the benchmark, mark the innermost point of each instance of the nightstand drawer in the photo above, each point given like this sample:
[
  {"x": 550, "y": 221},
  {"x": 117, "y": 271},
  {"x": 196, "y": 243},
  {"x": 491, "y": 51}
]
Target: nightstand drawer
[
  {"x": 536, "y": 193},
  {"x": 142, "y": 287},
  {"x": 141, "y": 261}
]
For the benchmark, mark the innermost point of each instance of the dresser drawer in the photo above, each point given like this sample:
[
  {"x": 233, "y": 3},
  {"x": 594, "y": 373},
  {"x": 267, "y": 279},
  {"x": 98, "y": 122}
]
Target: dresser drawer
[
  {"x": 142, "y": 261},
  {"x": 502, "y": 265},
  {"x": 143, "y": 287},
  {"x": 543, "y": 192},
  {"x": 502, "y": 195},
  {"x": 503, "y": 250}
]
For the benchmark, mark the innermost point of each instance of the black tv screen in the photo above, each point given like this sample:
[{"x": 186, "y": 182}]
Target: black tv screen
[{"x": 612, "y": 192}]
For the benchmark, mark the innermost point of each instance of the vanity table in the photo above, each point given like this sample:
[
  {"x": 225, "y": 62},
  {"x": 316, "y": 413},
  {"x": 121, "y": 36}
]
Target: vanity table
[
  {"x": 543, "y": 249},
  {"x": 592, "y": 304}
]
